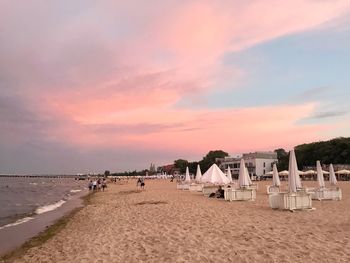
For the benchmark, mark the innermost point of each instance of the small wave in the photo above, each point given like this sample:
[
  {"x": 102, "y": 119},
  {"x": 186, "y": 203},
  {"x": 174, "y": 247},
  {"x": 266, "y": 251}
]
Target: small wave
[
  {"x": 47, "y": 208},
  {"x": 33, "y": 183},
  {"x": 18, "y": 222},
  {"x": 75, "y": 191}
]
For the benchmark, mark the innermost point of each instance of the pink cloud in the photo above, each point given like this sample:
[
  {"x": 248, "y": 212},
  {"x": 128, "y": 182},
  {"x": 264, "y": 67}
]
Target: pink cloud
[{"x": 110, "y": 74}]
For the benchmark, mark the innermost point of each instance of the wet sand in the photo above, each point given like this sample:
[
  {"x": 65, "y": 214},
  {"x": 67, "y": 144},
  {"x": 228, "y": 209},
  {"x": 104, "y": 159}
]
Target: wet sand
[{"x": 162, "y": 224}]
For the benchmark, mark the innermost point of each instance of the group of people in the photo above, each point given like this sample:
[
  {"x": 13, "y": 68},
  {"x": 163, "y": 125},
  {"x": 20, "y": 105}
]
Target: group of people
[
  {"x": 140, "y": 183},
  {"x": 97, "y": 185}
]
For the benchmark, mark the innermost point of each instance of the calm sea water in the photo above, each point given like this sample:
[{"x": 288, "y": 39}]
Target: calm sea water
[{"x": 21, "y": 198}]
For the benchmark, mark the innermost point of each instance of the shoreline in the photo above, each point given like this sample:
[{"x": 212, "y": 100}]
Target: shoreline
[{"x": 21, "y": 237}]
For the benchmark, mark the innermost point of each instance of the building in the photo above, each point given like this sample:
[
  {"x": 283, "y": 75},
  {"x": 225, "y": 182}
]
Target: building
[{"x": 257, "y": 163}]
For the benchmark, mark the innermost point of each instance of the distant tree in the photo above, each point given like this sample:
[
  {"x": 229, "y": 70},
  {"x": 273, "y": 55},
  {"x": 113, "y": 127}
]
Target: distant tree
[
  {"x": 210, "y": 159},
  {"x": 107, "y": 173},
  {"x": 283, "y": 159},
  {"x": 181, "y": 164}
]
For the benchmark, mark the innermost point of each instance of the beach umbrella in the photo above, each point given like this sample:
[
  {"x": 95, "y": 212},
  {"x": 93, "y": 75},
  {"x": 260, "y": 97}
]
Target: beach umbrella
[
  {"x": 343, "y": 172},
  {"x": 248, "y": 175},
  {"x": 275, "y": 178},
  {"x": 187, "y": 177},
  {"x": 284, "y": 173},
  {"x": 229, "y": 175},
  {"x": 320, "y": 178},
  {"x": 198, "y": 174},
  {"x": 293, "y": 178},
  {"x": 309, "y": 172},
  {"x": 332, "y": 178},
  {"x": 214, "y": 176},
  {"x": 243, "y": 178}
]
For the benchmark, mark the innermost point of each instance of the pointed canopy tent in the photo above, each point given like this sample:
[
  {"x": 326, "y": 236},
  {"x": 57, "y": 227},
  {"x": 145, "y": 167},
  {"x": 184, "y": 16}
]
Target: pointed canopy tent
[
  {"x": 214, "y": 176},
  {"x": 293, "y": 177},
  {"x": 187, "y": 177},
  {"x": 243, "y": 177},
  {"x": 229, "y": 175},
  {"x": 275, "y": 178},
  {"x": 198, "y": 174},
  {"x": 332, "y": 178},
  {"x": 320, "y": 178}
]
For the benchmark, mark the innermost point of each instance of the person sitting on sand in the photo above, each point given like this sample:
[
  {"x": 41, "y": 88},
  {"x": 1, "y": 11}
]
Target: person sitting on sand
[{"x": 220, "y": 193}]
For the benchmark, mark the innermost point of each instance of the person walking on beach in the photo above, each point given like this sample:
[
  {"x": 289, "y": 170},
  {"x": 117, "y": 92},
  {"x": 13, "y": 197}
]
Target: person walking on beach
[
  {"x": 104, "y": 184},
  {"x": 138, "y": 183},
  {"x": 142, "y": 184}
]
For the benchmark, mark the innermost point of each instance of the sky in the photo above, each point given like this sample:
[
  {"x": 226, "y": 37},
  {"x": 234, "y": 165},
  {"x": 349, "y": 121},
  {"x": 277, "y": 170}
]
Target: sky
[{"x": 88, "y": 86}]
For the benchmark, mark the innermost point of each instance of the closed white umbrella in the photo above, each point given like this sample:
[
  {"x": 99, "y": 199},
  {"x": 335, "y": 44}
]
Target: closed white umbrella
[
  {"x": 187, "y": 177},
  {"x": 229, "y": 175},
  {"x": 332, "y": 178},
  {"x": 275, "y": 178},
  {"x": 247, "y": 173},
  {"x": 243, "y": 179},
  {"x": 198, "y": 174},
  {"x": 320, "y": 178},
  {"x": 293, "y": 177}
]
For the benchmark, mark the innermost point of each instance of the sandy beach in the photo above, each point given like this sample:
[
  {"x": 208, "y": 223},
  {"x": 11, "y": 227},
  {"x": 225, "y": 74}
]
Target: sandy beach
[{"x": 162, "y": 224}]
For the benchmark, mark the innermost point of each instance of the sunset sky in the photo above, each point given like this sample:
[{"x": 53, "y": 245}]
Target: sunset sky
[{"x": 87, "y": 86}]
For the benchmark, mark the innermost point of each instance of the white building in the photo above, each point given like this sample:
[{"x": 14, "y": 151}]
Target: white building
[{"x": 258, "y": 163}]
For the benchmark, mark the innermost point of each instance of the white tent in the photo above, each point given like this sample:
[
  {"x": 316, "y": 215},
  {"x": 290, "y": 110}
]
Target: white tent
[
  {"x": 293, "y": 177},
  {"x": 214, "y": 176},
  {"x": 229, "y": 175},
  {"x": 243, "y": 177},
  {"x": 332, "y": 178},
  {"x": 187, "y": 177},
  {"x": 320, "y": 178},
  {"x": 198, "y": 174},
  {"x": 275, "y": 178}
]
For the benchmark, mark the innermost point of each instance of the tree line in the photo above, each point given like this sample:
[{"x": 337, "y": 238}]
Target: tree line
[{"x": 335, "y": 151}]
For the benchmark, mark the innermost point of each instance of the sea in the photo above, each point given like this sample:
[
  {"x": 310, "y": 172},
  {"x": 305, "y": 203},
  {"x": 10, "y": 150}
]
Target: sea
[{"x": 24, "y": 198}]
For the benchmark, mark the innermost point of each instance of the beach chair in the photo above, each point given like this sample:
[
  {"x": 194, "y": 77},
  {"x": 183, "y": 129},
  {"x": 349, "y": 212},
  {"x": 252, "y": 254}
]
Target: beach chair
[
  {"x": 183, "y": 186},
  {"x": 271, "y": 189},
  {"x": 300, "y": 200},
  {"x": 240, "y": 194},
  {"x": 194, "y": 187},
  {"x": 333, "y": 193}
]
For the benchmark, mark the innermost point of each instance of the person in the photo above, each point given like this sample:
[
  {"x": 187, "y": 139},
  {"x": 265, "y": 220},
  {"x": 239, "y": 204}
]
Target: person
[
  {"x": 104, "y": 184},
  {"x": 94, "y": 185},
  {"x": 138, "y": 183},
  {"x": 220, "y": 193},
  {"x": 142, "y": 184},
  {"x": 90, "y": 185}
]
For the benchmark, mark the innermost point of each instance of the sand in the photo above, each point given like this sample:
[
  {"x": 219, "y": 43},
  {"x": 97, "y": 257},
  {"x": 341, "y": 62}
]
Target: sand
[{"x": 162, "y": 224}]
